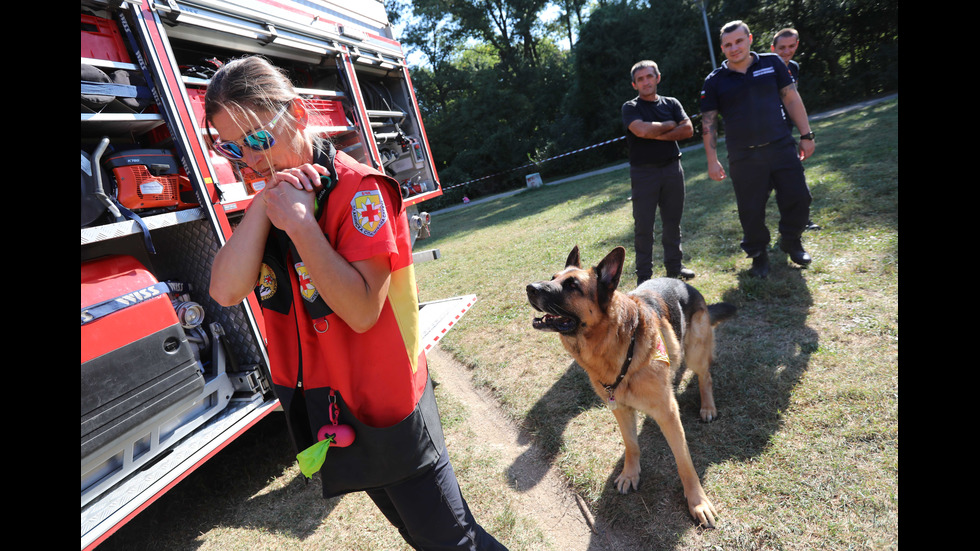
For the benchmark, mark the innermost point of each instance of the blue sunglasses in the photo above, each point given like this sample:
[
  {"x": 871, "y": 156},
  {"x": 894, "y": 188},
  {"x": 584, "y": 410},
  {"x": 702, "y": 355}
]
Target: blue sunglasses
[{"x": 258, "y": 140}]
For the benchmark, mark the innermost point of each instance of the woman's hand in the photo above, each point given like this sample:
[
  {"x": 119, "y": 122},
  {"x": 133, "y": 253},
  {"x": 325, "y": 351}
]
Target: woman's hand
[
  {"x": 304, "y": 177},
  {"x": 289, "y": 200}
]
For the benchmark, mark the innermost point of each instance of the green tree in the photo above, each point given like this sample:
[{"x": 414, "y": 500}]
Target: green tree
[{"x": 497, "y": 93}]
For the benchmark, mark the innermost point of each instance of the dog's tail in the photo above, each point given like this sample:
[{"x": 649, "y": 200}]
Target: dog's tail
[{"x": 720, "y": 312}]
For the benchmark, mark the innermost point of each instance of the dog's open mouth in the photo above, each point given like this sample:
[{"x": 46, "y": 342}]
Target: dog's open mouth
[
  {"x": 555, "y": 317},
  {"x": 551, "y": 322}
]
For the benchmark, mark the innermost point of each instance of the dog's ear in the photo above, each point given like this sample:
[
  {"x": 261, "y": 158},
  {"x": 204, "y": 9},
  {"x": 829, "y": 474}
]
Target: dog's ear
[
  {"x": 573, "y": 259},
  {"x": 607, "y": 273}
]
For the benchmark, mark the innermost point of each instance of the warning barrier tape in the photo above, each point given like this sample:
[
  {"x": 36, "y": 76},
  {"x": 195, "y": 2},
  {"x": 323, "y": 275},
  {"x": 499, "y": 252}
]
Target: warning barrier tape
[
  {"x": 600, "y": 144},
  {"x": 535, "y": 163}
]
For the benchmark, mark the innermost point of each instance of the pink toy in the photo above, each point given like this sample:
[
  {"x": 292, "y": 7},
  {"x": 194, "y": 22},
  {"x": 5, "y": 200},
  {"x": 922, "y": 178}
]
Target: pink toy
[{"x": 343, "y": 435}]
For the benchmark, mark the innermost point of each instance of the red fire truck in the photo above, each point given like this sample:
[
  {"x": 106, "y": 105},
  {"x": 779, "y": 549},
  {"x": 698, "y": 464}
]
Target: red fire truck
[{"x": 168, "y": 377}]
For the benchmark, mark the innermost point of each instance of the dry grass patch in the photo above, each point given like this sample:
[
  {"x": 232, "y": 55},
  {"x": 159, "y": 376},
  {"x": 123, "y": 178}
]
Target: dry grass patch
[{"x": 805, "y": 453}]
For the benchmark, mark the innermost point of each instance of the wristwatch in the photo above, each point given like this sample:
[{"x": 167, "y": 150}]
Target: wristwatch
[{"x": 806, "y": 136}]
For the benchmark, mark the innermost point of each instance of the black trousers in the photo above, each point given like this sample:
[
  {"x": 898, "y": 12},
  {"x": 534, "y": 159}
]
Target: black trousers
[
  {"x": 756, "y": 174},
  {"x": 656, "y": 187},
  {"x": 430, "y": 513}
]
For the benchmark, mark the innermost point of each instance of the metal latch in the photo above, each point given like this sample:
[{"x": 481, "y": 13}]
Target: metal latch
[{"x": 250, "y": 382}]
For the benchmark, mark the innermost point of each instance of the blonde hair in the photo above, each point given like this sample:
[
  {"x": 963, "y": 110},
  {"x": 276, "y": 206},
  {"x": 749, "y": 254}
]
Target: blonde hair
[{"x": 248, "y": 85}]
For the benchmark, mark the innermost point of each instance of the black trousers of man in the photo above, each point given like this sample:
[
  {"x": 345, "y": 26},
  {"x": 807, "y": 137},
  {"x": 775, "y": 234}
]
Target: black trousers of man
[
  {"x": 656, "y": 187},
  {"x": 758, "y": 172}
]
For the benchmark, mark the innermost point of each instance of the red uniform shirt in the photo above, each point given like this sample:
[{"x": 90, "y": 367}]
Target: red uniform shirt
[{"x": 380, "y": 373}]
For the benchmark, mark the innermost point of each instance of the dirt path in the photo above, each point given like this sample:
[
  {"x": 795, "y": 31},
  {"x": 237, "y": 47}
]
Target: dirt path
[{"x": 540, "y": 490}]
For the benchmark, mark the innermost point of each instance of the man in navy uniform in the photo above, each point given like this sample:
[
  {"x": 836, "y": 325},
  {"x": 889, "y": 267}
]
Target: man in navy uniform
[
  {"x": 784, "y": 44},
  {"x": 750, "y": 92}
]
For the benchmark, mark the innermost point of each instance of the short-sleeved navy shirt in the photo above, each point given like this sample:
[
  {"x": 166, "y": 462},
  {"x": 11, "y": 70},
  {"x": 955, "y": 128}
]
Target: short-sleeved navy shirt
[
  {"x": 647, "y": 151},
  {"x": 794, "y": 69},
  {"x": 749, "y": 102}
]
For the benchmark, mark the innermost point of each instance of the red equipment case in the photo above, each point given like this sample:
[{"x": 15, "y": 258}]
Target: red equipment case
[{"x": 135, "y": 357}]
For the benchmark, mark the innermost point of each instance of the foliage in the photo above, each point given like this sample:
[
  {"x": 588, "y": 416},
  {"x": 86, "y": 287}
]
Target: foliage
[{"x": 498, "y": 92}]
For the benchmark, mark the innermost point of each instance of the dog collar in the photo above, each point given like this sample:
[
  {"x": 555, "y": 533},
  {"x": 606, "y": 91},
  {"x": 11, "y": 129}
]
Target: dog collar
[{"x": 622, "y": 373}]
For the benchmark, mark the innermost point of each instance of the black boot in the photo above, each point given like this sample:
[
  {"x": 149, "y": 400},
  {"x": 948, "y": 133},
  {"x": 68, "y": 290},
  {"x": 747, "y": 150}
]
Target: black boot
[
  {"x": 760, "y": 265},
  {"x": 681, "y": 273},
  {"x": 794, "y": 248}
]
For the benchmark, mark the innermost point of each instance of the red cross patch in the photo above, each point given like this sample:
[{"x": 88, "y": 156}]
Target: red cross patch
[{"x": 368, "y": 212}]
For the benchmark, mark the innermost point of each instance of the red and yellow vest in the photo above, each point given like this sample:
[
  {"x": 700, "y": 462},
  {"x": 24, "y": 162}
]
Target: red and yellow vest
[{"x": 381, "y": 373}]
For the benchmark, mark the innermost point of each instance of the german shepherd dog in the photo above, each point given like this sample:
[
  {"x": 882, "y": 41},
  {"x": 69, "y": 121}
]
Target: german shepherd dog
[{"x": 630, "y": 345}]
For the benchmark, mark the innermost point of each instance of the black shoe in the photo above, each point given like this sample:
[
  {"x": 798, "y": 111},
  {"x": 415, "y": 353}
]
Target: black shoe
[
  {"x": 760, "y": 265},
  {"x": 795, "y": 251},
  {"x": 682, "y": 273},
  {"x": 811, "y": 226},
  {"x": 800, "y": 257}
]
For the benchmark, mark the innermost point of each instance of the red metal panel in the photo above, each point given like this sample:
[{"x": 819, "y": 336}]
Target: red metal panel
[{"x": 364, "y": 121}]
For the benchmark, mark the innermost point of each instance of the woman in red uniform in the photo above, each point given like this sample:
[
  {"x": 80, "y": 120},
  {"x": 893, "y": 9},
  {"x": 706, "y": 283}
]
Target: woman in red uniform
[{"x": 327, "y": 248}]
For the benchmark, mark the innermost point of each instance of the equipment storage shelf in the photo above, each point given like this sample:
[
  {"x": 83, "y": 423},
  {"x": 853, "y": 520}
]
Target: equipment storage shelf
[
  {"x": 104, "y": 232},
  {"x": 118, "y": 114}
]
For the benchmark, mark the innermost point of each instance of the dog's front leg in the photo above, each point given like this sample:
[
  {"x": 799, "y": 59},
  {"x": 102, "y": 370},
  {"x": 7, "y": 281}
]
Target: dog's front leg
[
  {"x": 668, "y": 418},
  {"x": 630, "y": 477}
]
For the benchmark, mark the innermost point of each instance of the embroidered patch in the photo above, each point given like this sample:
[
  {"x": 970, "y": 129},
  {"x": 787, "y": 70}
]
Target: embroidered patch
[
  {"x": 368, "y": 212},
  {"x": 306, "y": 287},
  {"x": 267, "y": 282},
  {"x": 764, "y": 71},
  {"x": 661, "y": 350}
]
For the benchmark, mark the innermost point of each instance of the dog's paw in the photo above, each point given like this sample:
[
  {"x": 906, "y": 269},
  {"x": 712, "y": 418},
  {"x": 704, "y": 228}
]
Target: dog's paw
[
  {"x": 627, "y": 481},
  {"x": 703, "y": 511},
  {"x": 709, "y": 414}
]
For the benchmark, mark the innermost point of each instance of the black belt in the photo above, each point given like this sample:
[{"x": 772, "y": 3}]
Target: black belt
[
  {"x": 660, "y": 164},
  {"x": 761, "y": 145}
]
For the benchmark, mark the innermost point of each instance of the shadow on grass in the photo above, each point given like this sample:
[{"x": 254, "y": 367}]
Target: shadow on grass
[
  {"x": 761, "y": 356},
  {"x": 213, "y": 497}
]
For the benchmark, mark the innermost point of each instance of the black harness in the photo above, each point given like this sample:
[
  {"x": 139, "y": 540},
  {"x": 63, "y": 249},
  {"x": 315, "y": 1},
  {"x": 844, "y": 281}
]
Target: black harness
[{"x": 611, "y": 389}]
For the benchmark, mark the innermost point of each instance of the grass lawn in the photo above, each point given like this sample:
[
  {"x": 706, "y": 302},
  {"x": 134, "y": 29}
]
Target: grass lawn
[{"x": 805, "y": 453}]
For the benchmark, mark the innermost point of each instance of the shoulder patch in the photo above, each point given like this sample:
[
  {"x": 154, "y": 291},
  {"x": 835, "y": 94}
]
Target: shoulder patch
[
  {"x": 368, "y": 212},
  {"x": 267, "y": 282},
  {"x": 306, "y": 287}
]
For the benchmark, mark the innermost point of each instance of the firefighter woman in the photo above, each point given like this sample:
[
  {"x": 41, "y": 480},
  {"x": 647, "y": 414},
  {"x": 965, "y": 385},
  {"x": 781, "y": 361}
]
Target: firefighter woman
[{"x": 326, "y": 247}]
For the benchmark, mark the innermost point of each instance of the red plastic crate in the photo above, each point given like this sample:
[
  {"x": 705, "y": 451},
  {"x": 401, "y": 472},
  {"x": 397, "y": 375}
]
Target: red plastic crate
[
  {"x": 101, "y": 39},
  {"x": 196, "y": 95},
  {"x": 325, "y": 112}
]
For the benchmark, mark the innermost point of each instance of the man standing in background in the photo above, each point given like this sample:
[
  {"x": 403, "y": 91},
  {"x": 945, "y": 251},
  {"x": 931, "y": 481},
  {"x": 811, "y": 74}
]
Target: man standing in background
[
  {"x": 750, "y": 91},
  {"x": 653, "y": 124},
  {"x": 785, "y": 44}
]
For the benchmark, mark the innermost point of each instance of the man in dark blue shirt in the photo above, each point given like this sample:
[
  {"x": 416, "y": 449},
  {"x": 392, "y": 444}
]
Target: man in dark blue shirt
[
  {"x": 784, "y": 44},
  {"x": 750, "y": 91},
  {"x": 653, "y": 124}
]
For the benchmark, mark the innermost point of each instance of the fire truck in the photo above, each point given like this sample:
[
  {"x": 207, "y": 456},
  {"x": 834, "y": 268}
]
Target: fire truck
[{"x": 169, "y": 377}]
